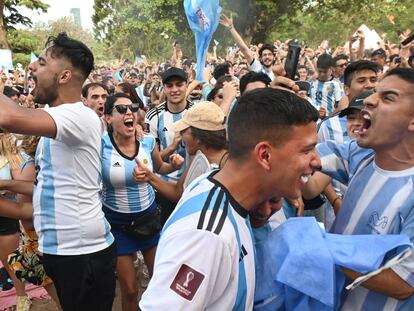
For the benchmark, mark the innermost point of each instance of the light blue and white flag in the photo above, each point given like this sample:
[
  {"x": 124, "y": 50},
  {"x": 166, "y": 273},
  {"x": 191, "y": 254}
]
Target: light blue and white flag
[
  {"x": 203, "y": 18},
  {"x": 33, "y": 57},
  {"x": 6, "y": 62}
]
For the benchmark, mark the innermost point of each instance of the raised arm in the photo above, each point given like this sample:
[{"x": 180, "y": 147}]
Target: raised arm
[{"x": 244, "y": 49}]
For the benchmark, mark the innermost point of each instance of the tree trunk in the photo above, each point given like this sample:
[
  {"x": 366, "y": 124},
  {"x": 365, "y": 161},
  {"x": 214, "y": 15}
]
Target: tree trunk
[{"x": 4, "y": 44}]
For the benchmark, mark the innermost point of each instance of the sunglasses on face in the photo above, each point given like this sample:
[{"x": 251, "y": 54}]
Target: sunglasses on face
[
  {"x": 342, "y": 65},
  {"x": 122, "y": 109}
]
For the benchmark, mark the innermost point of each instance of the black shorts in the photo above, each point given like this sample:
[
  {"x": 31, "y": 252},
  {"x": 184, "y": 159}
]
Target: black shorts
[
  {"x": 8, "y": 226},
  {"x": 84, "y": 282}
]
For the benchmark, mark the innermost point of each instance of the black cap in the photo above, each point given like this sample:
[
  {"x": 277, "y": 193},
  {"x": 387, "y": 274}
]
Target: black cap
[
  {"x": 356, "y": 103},
  {"x": 379, "y": 52},
  {"x": 173, "y": 72}
]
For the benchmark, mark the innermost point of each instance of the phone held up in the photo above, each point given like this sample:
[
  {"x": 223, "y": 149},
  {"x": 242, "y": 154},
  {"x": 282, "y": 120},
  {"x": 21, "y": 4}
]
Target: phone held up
[{"x": 292, "y": 59}]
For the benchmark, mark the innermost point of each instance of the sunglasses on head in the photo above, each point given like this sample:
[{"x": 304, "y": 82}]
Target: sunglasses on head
[{"x": 122, "y": 109}]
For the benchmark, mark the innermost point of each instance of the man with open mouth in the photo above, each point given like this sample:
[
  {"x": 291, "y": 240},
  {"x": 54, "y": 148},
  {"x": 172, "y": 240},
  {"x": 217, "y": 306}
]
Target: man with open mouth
[{"x": 378, "y": 168}]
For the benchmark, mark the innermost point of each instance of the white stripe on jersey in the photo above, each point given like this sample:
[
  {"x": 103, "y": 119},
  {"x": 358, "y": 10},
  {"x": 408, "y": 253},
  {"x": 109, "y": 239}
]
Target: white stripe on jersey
[
  {"x": 67, "y": 210},
  {"x": 206, "y": 233},
  {"x": 377, "y": 202},
  {"x": 120, "y": 191}
]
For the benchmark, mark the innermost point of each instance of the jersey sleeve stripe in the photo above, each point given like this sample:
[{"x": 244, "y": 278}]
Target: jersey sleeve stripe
[
  {"x": 214, "y": 213},
  {"x": 205, "y": 208},
  {"x": 223, "y": 217}
]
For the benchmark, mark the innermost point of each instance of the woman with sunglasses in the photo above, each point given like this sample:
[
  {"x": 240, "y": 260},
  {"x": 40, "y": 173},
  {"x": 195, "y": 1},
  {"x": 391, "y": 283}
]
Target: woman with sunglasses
[{"x": 124, "y": 200}]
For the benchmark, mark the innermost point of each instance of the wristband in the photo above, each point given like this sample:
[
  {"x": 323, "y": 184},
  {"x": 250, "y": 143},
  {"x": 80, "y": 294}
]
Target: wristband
[{"x": 337, "y": 198}]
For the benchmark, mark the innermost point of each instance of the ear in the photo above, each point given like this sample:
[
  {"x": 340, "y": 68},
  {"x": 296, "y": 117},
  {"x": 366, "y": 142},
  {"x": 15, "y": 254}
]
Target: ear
[
  {"x": 411, "y": 126},
  {"x": 108, "y": 118},
  {"x": 262, "y": 154},
  {"x": 346, "y": 90},
  {"x": 65, "y": 76}
]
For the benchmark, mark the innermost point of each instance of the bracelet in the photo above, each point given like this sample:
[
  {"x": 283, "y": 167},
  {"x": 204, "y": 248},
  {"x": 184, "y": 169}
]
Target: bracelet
[{"x": 337, "y": 198}]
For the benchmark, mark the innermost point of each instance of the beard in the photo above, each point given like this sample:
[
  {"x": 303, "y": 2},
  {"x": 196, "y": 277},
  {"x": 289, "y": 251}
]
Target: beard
[{"x": 47, "y": 94}]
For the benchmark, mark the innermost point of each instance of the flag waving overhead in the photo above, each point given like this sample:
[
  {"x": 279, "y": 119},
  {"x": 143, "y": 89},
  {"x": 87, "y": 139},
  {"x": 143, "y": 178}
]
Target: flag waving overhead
[{"x": 203, "y": 17}]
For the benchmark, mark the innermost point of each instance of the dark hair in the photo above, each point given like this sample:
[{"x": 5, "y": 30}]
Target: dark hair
[
  {"x": 406, "y": 74},
  {"x": 129, "y": 89},
  {"x": 265, "y": 114},
  {"x": 357, "y": 66},
  {"x": 110, "y": 101},
  {"x": 253, "y": 76},
  {"x": 86, "y": 87},
  {"x": 410, "y": 60},
  {"x": 393, "y": 56},
  {"x": 75, "y": 51},
  {"x": 266, "y": 46},
  {"x": 210, "y": 139},
  {"x": 221, "y": 70},
  {"x": 219, "y": 85},
  {"x": 324, "y": 61}
]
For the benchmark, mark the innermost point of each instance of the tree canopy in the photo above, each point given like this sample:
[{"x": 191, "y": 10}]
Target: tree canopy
[{"x": 137, "y": 27}]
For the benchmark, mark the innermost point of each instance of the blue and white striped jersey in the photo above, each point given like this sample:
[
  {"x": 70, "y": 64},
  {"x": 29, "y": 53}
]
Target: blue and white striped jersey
[
  {"x": 333, "y": 128},
  {"x": 325, "y": 95},
  {"x": 205, "y": 257},
  {"x": 258, "y": 67},
  {"x": 120, "y": 192},
  {"x": 159, "y": 119},
  {"x": 67, "y": 210},
  {"x": 376, "y": 202}
]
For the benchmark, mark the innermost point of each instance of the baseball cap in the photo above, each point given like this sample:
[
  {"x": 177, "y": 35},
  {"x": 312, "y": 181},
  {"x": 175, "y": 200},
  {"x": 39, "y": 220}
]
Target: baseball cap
[
  {"x": 205, "y": 116},
  {"x": 356, "y": 103},
  {"x": 173, "y": 72},
  {"x": 379, "y": 52}
]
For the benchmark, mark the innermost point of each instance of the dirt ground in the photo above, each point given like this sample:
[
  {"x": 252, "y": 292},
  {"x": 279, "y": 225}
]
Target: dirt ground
[{"x": 49, "y": 305}]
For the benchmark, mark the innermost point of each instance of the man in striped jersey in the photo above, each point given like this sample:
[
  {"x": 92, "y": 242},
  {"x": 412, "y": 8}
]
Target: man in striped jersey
[
  {"x": 205, "y": 258},
  {"x": 161, "y": 117},
  {"x": 78, "y": 248},
  {"x": 380, "y": 197},
  {"x": 325, "y": 92}
]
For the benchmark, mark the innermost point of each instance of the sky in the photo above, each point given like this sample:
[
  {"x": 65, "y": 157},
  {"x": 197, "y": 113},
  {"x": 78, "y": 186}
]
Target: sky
[{"x": 59, "y": 8}]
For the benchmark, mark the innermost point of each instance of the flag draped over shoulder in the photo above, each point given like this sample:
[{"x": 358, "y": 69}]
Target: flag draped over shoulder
[{"x": 203, "y": 18}]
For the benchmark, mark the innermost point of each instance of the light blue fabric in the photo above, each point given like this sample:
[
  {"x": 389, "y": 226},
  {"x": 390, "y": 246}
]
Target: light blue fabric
[
  {"x": 298, "y": 265},
  {"x": 203, "y": 18}
]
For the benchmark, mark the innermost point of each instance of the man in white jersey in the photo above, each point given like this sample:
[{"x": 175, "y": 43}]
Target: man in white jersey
[
  {"x": 161, "y": 117},
  {"x": 266, "y": 52},
  {"x": 205, "y": 257},
  {"x": 74, "y": 237},
  {"x": 325, "y": 92},
  {"x": 380, "y": 197}
]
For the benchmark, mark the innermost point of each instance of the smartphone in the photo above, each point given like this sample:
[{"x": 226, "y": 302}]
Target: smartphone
[
  {"x": 408, "y": 40},
  {"x": 292, "y": 59}
]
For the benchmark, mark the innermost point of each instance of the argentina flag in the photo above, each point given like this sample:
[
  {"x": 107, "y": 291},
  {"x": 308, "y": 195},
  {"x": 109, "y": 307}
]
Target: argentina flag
[{"x": 203, "y": 17}]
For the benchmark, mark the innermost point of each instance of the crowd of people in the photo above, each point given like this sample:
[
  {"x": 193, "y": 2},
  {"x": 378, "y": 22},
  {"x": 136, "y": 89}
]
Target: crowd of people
[{"x": 102, "y": 165}]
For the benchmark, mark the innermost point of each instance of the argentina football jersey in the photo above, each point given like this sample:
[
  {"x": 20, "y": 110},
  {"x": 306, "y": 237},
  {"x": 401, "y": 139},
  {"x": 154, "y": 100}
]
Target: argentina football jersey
[
  {"x": 325, "y": 95},
  {"x": 210, "y": 222},
  {"x": 377, "y": 202}
]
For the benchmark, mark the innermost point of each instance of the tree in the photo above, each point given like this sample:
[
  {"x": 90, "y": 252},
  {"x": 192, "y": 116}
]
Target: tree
[
  {"x": 10, "y": 16},
  {"x": 133, "y": 27}
]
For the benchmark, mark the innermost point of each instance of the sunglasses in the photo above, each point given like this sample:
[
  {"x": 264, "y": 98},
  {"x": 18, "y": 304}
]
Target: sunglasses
[{"x": 122, "y": 109}]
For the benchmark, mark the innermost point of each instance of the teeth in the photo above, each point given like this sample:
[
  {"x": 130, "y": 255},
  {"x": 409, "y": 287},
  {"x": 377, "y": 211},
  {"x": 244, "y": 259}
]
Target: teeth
[
  {"x": 366, "y": 117},
  {"x": 304, "y": 178}
]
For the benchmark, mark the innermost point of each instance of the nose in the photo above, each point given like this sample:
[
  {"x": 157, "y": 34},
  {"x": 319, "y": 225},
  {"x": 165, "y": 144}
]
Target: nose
[
  {"x": 315, "y": 162},
  {"x": 32, "y": 66},
  {"x": 369, "y": 85},
  {"x": 371, "y": 100}
]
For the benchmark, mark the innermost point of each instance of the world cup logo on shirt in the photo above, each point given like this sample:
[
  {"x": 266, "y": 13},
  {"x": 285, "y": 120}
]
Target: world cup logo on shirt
[{"x": 188, "y": 279}]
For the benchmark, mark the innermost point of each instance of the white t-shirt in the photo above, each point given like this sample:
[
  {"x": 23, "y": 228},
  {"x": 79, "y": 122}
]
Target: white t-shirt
[
  {"x": 258, "y": 67},
  {"x": 68, "y": 213}
]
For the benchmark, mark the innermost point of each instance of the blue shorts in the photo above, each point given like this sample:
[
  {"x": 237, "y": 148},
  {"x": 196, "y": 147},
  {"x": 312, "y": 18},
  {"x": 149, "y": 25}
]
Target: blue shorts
[{"x": 126, "y": 244}]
